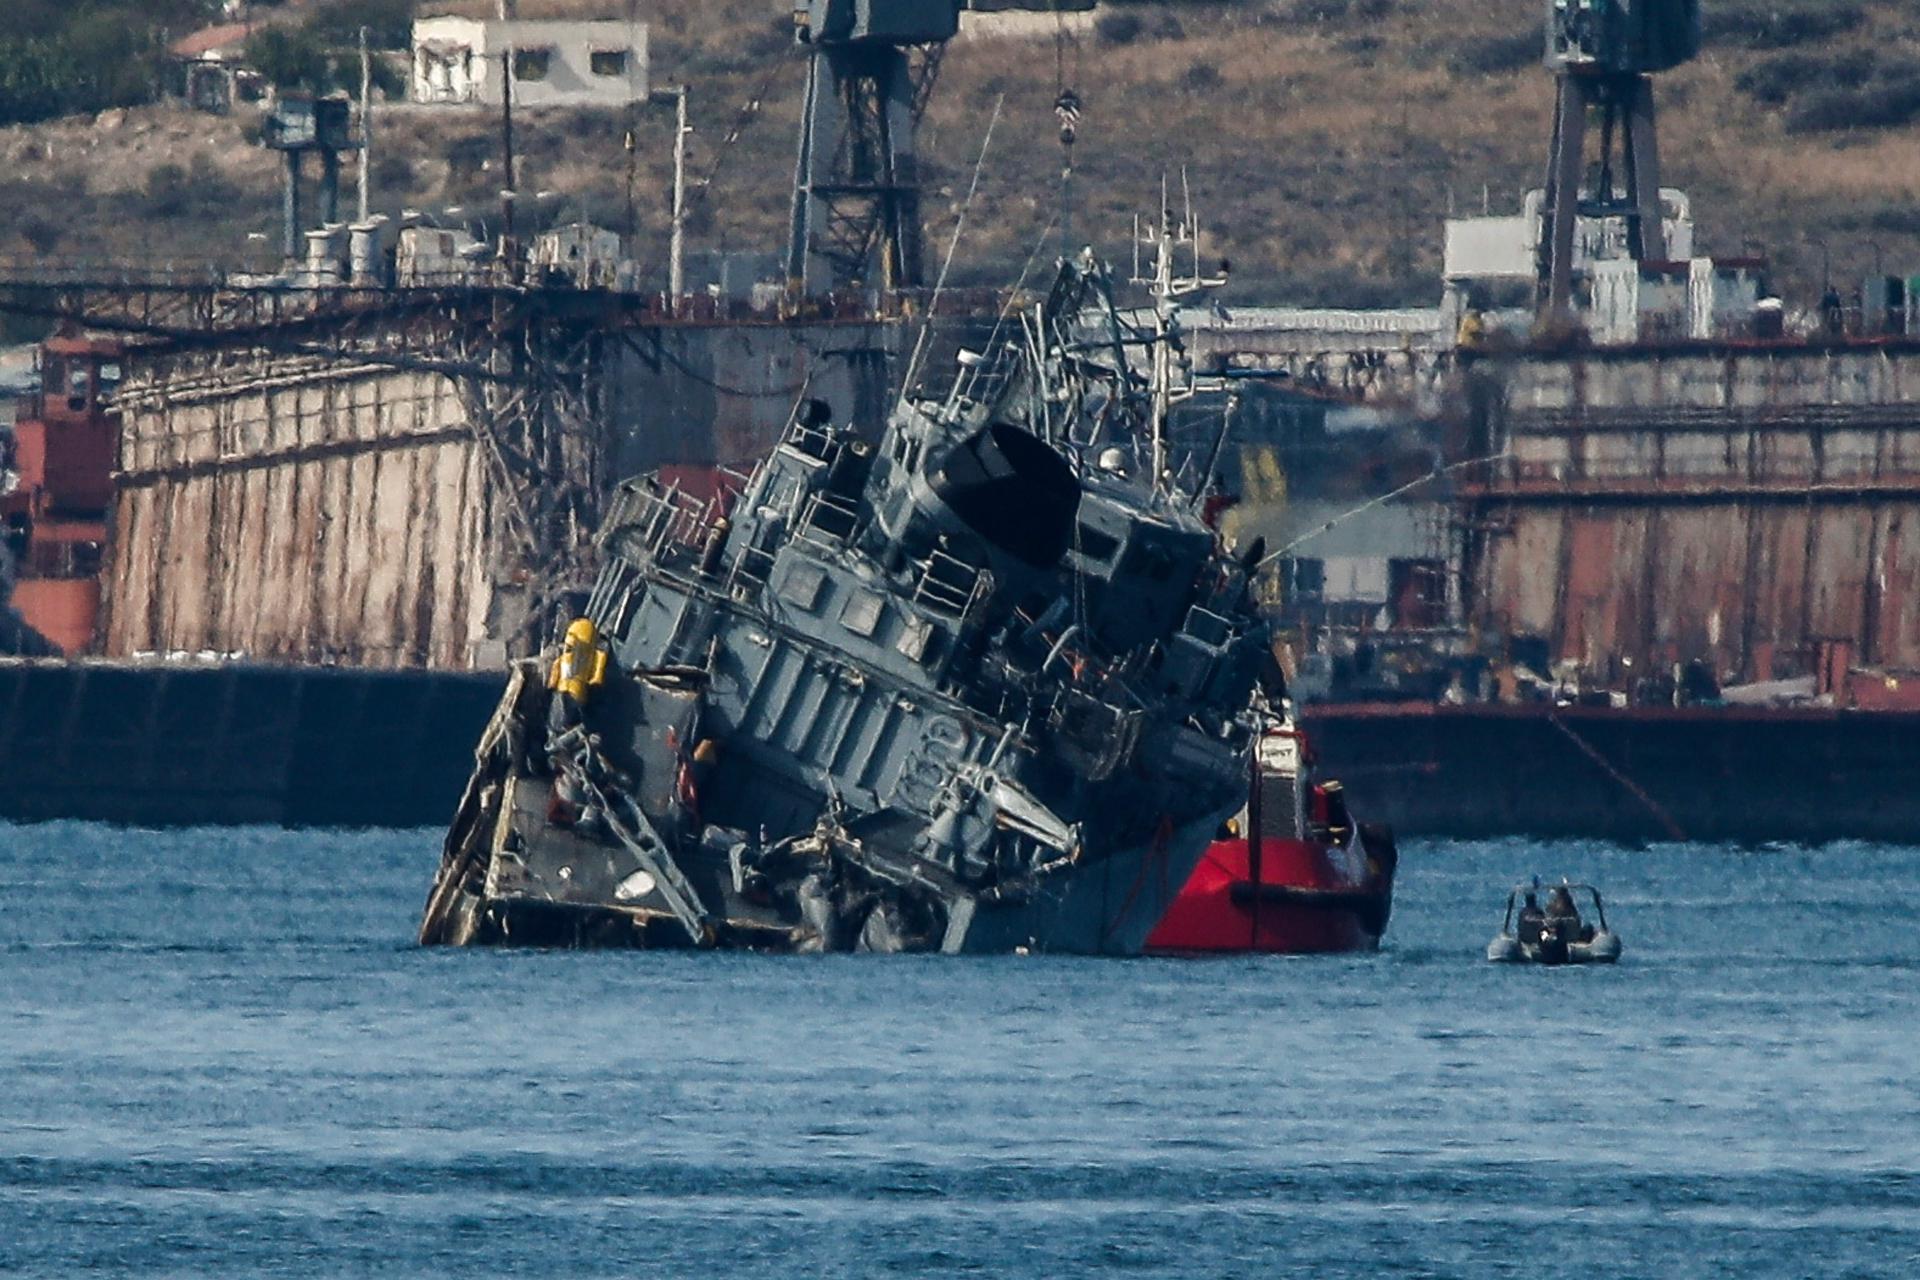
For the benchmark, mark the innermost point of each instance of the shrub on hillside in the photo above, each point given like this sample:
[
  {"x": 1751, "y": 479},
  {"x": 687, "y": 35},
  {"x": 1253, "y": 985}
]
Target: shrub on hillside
[
  {"x": 1780, "y": 24},
  {"x": 1498, "y": 55},
  {"x": 1339, "y": 10},
  {"x": 1902, "y": 218},
  {"x": 1785, "y": 76},
  {"x": 1201, "y": 77},
  {"x": 389, "y": 23},
  {"x": 195, "y": 192},
  {"x": 1887, "y": 102},
  {"x": 42, "y": 234},
  {"x": 59, "y": 58},
  {"x": 1119, "y": 28},
  {"x": 1318, "y": 10}
]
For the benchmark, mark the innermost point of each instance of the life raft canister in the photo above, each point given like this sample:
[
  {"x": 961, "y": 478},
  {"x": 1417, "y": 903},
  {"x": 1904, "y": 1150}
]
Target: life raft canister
[{"x": 582, "y": 664}]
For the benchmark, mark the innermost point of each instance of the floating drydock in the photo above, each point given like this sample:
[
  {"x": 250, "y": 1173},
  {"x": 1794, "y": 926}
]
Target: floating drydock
[
  {"x": 984, "y": 687},
  {"x": 1744, "y": 774}
]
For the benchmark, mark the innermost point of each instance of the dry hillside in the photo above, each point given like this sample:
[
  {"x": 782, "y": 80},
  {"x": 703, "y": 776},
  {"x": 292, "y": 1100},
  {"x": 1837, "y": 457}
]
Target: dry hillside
[{"x": 1324, "y": 140}]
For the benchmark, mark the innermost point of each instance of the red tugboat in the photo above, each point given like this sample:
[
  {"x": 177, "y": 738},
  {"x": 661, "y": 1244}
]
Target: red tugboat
[{"x": 1292, "y": 874}]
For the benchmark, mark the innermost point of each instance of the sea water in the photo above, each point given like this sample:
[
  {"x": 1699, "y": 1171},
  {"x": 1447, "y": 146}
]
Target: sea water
[{"x": 221, "y": 1055}]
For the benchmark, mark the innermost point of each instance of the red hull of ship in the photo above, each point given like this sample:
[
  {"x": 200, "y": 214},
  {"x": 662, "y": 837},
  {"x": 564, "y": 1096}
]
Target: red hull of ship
[{"x": 1216, "y": 911}]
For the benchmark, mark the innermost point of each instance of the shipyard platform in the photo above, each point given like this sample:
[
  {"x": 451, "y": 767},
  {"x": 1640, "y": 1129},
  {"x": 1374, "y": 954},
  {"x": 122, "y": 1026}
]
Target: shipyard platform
[{"x": 180, "y": 745}]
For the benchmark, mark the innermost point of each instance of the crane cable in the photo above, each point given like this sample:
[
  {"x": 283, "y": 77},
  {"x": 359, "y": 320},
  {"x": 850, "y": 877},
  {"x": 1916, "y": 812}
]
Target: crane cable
[{"x": 1067, "y": 108}]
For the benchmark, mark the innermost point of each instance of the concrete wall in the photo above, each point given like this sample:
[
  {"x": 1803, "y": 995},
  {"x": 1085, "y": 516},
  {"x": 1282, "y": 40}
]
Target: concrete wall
[
  {"x": 192, "y": 744},
  {"x": 280, "y": 507},
  {"x": 1731, "y": 504},
  {"x": 457, "y": 60},
  {"x": 722, "y": 394},
  {"x": 277, "y": 507},
  {"x": 1720, "y": 773}
]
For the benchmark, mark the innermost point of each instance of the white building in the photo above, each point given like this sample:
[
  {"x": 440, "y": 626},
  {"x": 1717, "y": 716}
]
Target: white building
[
  {"x": 555, "y": 64},
  {"x": 582, "y": 253},
  {"x": 1508, "y": 248}
]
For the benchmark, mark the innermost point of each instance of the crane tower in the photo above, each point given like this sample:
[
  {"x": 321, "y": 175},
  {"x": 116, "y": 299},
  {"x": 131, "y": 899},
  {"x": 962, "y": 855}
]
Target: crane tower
[
  {"x": 1603, "y": 54},
  {"x": 856, "y": 182}
]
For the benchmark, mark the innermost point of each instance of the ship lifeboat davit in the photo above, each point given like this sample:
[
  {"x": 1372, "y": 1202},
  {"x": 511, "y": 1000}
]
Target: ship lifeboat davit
[{"x": 1291, "y": 874}]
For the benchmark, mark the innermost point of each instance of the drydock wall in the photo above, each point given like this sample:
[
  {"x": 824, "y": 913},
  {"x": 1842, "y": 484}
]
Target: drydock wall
[
  {"x": 1707, "y": 773},
  {"x": 1732, "y": 504},
  {"x": 186, "y": 745},
  {"x": 165, "y": 744},
  {"x": 292, "y": 507},
  {"x": 347, "y": 508}
]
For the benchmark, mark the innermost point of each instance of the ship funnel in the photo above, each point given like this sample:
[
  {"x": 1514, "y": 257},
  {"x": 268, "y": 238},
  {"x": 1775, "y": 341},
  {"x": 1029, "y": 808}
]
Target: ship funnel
[{"x": 1013, "y": 491}]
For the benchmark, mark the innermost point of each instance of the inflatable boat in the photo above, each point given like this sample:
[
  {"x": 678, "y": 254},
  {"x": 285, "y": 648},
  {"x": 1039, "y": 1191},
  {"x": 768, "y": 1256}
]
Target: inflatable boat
[{"x": 1556, "y": 933}]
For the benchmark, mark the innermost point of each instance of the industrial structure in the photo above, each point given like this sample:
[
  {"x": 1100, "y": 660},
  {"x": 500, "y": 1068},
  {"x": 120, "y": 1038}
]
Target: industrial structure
[
  {"x": 856, "y": 190},
  {"x": 56, "y": 490},
  {"x": 413, "y": 477},
  {"x": 1605, "y": 468},
  {"x": 1755, "y": 509},
  {"x": 1603, "y": 54}
]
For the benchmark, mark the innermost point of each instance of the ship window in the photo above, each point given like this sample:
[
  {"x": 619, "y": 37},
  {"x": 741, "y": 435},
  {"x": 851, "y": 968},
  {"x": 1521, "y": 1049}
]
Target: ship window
[
  {"x": 1095, "y": 545},
  {"x": 862, "y": 613},
  {"x": 1303, "y": 579},
  {"x": 608, "y": 62},
  {"x": 1277, "y": 816}
]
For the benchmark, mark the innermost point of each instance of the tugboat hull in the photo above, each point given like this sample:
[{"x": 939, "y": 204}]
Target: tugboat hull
[
  {"x": 1309, "y": 882},
  {"x": 1300, "y": 905}
]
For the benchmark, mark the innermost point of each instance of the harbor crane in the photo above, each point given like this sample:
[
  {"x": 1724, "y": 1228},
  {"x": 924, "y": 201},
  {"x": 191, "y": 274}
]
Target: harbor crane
[
  {"x": 856, "y": 186},
  {"x": 1604, "y": 54}
]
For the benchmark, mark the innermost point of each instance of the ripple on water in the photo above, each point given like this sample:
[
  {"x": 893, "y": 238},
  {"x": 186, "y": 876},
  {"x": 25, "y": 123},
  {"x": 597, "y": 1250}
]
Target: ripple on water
[{"x": 243, "y": 1066}]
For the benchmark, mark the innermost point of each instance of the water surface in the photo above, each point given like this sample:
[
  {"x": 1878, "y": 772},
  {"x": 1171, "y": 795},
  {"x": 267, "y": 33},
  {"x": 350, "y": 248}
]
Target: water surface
[{"x": 223, "y": 1057}]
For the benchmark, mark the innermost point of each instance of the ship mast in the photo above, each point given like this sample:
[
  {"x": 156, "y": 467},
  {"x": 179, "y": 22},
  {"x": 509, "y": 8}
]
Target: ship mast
[{"x": 1171, "y": 379}]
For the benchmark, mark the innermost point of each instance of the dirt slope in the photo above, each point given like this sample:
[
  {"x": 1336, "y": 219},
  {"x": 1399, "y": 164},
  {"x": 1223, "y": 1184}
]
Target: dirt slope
[{"x": 1323, "y": 139}]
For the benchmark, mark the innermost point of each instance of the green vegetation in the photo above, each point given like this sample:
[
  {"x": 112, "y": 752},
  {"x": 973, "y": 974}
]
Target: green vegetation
[
  {"x": 1780, "y": 24},
  {"x": 71, "y": 57},
  {"x": 321, "y": 54},
  {"x": 1835, "y": 88},
  {"x": 63, "y": 57}
]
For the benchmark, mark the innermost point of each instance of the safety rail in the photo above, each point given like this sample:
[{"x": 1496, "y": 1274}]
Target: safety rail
[
  {"x": 830, "y": 520},
  {"x": 947, "y": 585},
  {"x": 751, "y": 569},
  {"x": 135, "y": 273},
  {"x": 667, "y": 521},
  {"x": 810, "y": 441}
]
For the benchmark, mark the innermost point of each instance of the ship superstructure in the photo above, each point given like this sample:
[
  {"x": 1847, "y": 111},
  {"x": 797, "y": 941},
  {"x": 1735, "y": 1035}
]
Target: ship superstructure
[{"x": 981, "y": 687}]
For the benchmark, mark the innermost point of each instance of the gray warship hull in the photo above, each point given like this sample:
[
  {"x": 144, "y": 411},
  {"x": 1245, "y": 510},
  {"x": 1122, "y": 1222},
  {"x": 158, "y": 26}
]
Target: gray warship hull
[
  {"x": 563, "y": 889},
  {"x": 962, "y": 690}
]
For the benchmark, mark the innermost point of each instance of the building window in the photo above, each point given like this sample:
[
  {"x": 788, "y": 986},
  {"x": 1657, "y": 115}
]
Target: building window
[
  {"x": 608, "y": 62},
  {"x": 1303, "y": 581},
  {"x": 1417, "y": 593},
  {"x": 531, "y": 64}
]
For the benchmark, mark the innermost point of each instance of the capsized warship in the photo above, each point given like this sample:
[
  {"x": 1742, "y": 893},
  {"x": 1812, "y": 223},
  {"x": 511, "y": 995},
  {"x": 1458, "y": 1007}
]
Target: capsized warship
[{"x": 982, "y": 687}]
